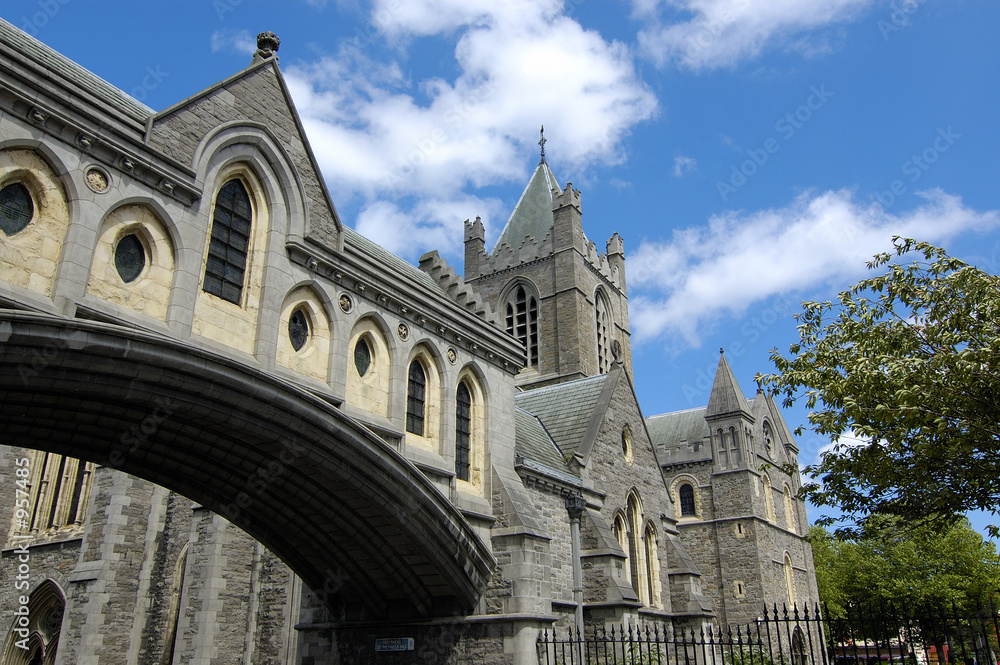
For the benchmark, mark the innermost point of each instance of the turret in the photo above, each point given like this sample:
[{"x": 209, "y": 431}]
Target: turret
[
  {"x": 567, "y": 223},
  {"x": 616, "y": 259},
  {"x": 475, "y": 248}
]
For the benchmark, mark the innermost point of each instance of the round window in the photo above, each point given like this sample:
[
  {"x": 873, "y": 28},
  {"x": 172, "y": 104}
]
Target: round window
[
  {"x": 16, "y": 208},
  {"x": 130, "y": 258}
]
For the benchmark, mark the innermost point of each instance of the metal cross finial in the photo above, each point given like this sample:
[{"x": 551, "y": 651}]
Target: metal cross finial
[{"x": 542, "y": 141}]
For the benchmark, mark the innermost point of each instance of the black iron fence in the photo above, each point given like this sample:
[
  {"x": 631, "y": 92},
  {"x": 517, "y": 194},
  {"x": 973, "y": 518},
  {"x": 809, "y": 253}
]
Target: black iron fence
[{"x": 869, "y": 636}]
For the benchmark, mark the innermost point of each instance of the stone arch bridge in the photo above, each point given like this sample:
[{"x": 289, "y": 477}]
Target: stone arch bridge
[{"x": 358, "y": 523}]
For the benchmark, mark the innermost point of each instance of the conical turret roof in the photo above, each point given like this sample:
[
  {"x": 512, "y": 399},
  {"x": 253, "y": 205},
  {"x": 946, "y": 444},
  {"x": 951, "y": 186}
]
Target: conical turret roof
[{"x": 726, "y": 396}]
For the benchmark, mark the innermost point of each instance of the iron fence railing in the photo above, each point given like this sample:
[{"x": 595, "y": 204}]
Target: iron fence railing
[{"x": 790, "y": 636}]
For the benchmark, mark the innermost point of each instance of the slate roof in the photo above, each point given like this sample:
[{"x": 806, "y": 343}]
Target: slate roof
[
  {"x": 53, "y": 63},
  {"x": 389, "y": 260},
  {"x": 533, "y": 213},
  {"x": 564, "y": 410},
  {"x": 534, "y": 442},
  {"x": 674, "y": 433}
]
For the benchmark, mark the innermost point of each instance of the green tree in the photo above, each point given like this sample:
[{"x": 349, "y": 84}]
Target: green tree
[
  {"x": 911, "y": 569},
  {"x": 907, "y": 360}
]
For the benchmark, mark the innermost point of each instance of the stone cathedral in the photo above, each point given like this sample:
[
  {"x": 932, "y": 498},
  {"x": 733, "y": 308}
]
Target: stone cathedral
[{"x": 236, "y": 431}]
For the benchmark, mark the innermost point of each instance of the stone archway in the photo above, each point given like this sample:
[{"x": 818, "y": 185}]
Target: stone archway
[{"x": 346, "y": 512}]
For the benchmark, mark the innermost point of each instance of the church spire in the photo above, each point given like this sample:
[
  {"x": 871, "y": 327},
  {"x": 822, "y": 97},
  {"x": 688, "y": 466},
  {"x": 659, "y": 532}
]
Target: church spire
[
  {"x": 541, "y": 142},
  {"x": 726, "y": 397}
]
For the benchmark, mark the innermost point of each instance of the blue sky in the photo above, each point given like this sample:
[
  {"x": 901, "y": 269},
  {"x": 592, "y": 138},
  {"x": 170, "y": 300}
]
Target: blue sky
[{"x": 752, "y": 153}]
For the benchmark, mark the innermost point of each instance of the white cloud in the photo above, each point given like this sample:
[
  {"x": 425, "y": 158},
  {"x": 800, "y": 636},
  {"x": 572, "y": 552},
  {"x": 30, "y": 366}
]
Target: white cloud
[
  {"x": 705, "y": 34},
  {"x": 684, "y": 165},
  {"x": 234, "y": 41},
  {"x": 682, "y": 286},
  {"x": 378, "y": 135}
]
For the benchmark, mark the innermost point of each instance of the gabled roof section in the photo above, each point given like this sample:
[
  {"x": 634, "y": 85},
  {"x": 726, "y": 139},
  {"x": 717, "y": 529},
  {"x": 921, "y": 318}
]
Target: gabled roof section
[
  {"x": 534, "y": 443},
  {"x": 533, "y": 213},
  {"x": 54, "y": 65},
  {"x": 726, "y": 397},
  {"x": 256, "y": 96},
  {"x": 565, "y": 409}
]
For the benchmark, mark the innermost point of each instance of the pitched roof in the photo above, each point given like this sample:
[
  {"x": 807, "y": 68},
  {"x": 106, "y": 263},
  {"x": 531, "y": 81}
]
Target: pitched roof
[
  {"x": 534, "y": 443},
  {"x": 55, "y": 64},
  {"x": 564, "y": 409},
  {"x": 726, "y": 395},
  {"x": 386, "y": 258},
  {"x": 533, "y": 213}
]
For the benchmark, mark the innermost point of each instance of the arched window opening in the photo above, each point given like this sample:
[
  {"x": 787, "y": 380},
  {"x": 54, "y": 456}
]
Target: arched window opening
[
  {"x": 45, "y": 614},
  {"x": 621, "y": 535},
  {"x": 768, "y": 439},
  {"x": 768, "y": 498},
  {"x": 604, "y": 355},
  {"x": 362, "y": 356},
  {"x": 686, "y": 492},
  {"x": 298, "y": 329},
  {"x": 229, "y": 247},
  {"x": 652, "y": 566},
  {"x": 522, "y": 322},
  {"x": 789, "y": 509},
  {"x": 416, "y": 386},
  {"x": 734, "y": 446},
  {"x": 636, "y": 549},
  {"x": 799, "y": 654},
  {"x": 463, "y": 431},
  {"x": 16, "y": 208},
  {"x": 130, "y": 258},
  {"x": 789, "y": 580}
]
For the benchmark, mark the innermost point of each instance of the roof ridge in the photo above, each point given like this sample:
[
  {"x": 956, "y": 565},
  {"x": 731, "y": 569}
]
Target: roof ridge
[
  {"x": 73, "y": 72},
  {"x": 556, "y": 386}
]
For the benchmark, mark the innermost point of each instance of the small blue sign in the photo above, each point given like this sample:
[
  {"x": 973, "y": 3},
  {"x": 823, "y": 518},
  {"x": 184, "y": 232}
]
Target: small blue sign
[{"x": 394, "y": 644}]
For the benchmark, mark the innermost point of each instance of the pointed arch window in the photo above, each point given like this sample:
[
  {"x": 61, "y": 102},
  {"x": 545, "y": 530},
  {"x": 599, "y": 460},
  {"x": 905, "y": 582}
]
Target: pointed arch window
[
  {"x": 416, "y": 387},
  {"x": 232, "y": 219},
  {"x": 463, "y": 431},
  {"x": 652, "y": 566},
  {"x": 522, "y": 322},
  {"x": 604, "y": 354},
  {"x": 686, "y": 493},
  {"x": 790, "y": 509},
  {"x": 789, "y": 579}
]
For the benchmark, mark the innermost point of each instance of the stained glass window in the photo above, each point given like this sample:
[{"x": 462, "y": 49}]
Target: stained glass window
[
  {"x": 230, "y": 243},
  {"x": 16, "y": 208},
  {"x": 130, "y": 258},
  {"x": 298, "y": 329},
  {"x": 415, "y": 388},
  {"x": 463, "y": 432},
  {"x": 362, "y": 356}
]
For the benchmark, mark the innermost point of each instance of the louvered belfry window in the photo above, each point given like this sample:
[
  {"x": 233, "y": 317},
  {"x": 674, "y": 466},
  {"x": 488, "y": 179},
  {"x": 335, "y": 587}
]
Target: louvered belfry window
[
  {"x": 227, "y": 252},
  {"x": 522, "y": 322}
]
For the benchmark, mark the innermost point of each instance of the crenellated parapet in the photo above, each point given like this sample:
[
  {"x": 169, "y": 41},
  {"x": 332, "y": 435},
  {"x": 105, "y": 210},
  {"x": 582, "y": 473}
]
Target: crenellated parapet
[{"x": 453, "y": 284}]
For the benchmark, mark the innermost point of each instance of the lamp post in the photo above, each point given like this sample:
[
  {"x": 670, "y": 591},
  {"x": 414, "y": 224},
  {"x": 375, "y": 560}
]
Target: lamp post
[{"x": 575, "y": 505}]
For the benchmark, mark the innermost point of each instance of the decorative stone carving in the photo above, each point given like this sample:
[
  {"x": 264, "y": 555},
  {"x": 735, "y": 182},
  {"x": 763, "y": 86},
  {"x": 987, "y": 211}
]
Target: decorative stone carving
[
  {"x": 403, "y": 332},
  {"x": 346, "y": 303}
]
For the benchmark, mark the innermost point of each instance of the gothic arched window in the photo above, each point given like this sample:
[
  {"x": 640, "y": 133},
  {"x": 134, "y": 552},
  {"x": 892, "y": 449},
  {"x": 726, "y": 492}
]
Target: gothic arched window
[
  {"x": 416, "y": 386},
  {"x": 229, "y": 247},
  {"x": 522, "y": 322},
  {"x": 604, "y": 354},
  {"x": 686, "y": 493},
  {"x": 463, "y": 431}
]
